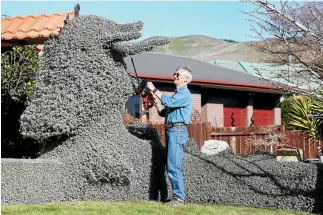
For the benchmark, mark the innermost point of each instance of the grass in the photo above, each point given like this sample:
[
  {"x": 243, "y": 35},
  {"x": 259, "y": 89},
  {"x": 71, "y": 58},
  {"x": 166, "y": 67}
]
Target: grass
[
  {"x": 136, "y": 208},
  {"x": 177, "y": 46}
]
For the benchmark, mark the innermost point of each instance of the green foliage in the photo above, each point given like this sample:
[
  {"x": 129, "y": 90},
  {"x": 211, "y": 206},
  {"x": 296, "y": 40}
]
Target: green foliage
[
  {"x": 138, "y": 208},
  {"x": 303, "y": 113},
  {"x": 286, "y": 117},
  {"x": 19, "y": 67},
  {"x": 18, "y": 72}
]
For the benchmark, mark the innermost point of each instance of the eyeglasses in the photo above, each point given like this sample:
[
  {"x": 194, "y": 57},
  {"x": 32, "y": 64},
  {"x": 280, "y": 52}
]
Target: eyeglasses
[{"x": 176, "y": 74}]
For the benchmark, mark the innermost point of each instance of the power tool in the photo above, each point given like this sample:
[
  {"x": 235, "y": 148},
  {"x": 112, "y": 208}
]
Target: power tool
[{"x": 143, "y": 91}]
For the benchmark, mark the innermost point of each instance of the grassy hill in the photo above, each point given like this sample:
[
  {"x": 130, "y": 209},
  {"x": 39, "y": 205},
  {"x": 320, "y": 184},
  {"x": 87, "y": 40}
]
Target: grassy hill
[{"x": 207, "y": 48}]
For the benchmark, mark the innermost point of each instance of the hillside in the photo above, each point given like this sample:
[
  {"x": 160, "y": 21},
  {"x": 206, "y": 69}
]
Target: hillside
[{"x": 207, "y": 48}]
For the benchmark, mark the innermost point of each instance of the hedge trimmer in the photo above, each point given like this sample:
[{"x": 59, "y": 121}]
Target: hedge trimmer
[{"x": 143, "y": 91}]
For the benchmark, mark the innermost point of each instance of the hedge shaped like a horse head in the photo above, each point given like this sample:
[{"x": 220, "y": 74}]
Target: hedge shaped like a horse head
[{"x": 83, "y": 76}]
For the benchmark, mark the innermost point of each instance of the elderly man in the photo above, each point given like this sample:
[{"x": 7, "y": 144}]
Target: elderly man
[{"x": 177, "y": 112}]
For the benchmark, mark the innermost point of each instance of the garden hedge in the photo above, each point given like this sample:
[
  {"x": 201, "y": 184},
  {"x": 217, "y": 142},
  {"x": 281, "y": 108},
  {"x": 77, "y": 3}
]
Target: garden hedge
[
  {"x": 76, "y": 115},
  {"x": 31, "y": 180}
]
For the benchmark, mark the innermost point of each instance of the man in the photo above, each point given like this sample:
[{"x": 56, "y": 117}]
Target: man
[{"x": 177, "y": 111}]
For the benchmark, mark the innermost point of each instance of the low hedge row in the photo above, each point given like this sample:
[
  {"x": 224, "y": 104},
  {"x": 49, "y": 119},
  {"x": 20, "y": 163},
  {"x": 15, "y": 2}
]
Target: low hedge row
[
  {"x": 139, "y": 173},
  {"x": 31, "y": 180}
]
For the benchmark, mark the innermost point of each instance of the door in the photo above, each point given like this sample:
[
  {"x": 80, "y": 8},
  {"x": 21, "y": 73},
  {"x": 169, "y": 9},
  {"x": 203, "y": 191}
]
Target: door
[
  {"x": 262, "y": 117},
  {"x": 233, "y": 117}
]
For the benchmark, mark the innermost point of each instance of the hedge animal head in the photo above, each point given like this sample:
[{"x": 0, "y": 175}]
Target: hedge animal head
[{"x": 83, "y": 76}]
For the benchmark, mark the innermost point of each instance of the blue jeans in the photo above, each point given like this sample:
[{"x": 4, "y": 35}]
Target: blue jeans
[{"x": 176, "y": 138}]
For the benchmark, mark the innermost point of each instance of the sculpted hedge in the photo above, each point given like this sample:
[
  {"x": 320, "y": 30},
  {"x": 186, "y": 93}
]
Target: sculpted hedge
[{"x": 77, "y": 116}]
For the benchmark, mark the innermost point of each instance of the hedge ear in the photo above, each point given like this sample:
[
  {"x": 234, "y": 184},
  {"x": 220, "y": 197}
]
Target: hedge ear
[
  {"x": 67, "y": 20},
  {"x": 77, "y": 9}
]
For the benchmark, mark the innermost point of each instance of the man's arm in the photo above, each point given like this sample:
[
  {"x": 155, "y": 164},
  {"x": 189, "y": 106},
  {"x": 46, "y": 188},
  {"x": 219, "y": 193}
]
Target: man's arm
[
  {"x": 160, "y": 108},
  {"x": 175, "y": 101},
  {"x": 158, "y": 94}
]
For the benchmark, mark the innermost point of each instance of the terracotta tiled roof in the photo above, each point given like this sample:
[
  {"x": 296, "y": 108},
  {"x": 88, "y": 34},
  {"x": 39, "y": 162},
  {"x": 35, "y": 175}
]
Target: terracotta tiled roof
[{"x": 18, "y": 28}]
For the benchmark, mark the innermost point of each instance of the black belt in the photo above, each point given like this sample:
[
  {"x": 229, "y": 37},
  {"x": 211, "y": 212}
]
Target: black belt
[{"x": 170, "y": 125}]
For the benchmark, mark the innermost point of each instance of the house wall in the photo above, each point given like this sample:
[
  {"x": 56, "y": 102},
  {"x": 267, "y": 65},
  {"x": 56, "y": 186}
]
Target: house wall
[
  {"x": 277, "y": 118},
  {"x": 216, "y": 106},
  {"x": 196, "y": 105},
  {"x": 212, "y": 110},
  {"x": 132, "y": 106},
  {"x": 248, "y": 112}
]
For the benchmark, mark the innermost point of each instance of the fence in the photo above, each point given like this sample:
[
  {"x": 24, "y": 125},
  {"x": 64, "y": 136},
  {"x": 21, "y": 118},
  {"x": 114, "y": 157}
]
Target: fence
[
  {"x": 300, "y": 140},
  {"x": 245, "y": 140}
]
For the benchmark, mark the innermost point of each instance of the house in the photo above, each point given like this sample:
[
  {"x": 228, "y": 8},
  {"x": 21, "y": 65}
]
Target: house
[
  {"x": 222, "y": 96},
  {"x": 282, "y": 74}
]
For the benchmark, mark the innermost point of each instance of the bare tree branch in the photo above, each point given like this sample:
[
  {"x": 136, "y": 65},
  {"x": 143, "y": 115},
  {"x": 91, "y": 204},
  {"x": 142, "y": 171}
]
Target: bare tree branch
[
  {"x": 291, "y": 35},
  {"x": 272, "y": 9}
]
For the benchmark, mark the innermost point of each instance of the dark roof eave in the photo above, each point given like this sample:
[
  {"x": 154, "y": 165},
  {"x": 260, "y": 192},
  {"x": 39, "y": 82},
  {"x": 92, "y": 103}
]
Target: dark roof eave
[{"x": 217, "y": 84}]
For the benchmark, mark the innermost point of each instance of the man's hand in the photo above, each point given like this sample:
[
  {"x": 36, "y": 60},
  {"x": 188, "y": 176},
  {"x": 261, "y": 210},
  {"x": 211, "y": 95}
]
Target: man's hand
[
  {"x": 158, "y": 106},
  {"x": 156, "y": 99},
  {"x": 150, "y": 86}
]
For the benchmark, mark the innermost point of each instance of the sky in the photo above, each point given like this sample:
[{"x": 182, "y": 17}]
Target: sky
[{"x": 219, "y": 19}]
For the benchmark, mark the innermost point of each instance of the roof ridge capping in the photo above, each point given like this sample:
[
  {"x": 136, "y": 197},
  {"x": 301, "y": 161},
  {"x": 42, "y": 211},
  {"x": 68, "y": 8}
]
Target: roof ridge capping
[{"x": 34, "y": 16}]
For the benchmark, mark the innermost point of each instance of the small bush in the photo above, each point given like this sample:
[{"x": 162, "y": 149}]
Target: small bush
[{"x": 19, "y": 67}]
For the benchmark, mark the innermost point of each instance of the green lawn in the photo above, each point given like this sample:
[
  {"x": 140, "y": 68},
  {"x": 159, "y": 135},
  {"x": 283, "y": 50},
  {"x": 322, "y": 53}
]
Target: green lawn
[{"x": 135, "y": 208}]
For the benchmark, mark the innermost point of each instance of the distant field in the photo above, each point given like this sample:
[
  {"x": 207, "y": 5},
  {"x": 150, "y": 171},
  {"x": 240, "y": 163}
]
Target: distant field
[{"x": 207, "y": 48}]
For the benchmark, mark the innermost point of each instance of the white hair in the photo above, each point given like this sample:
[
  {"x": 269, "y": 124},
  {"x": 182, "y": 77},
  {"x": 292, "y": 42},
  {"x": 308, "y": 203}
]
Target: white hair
[{"x": 186, "y": 72}]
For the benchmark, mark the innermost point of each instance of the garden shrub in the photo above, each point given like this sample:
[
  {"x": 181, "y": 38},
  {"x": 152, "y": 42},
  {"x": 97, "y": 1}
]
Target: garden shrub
[{"x": 19, "y": 67}]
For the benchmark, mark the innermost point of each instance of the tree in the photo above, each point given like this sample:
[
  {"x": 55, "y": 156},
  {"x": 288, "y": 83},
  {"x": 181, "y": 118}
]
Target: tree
[
  {"x": 285, "y": 106},
  {"x": 19, "y": 67},
  {"x": 18, "y": 72},
  {"x": 291, "y": 35}
]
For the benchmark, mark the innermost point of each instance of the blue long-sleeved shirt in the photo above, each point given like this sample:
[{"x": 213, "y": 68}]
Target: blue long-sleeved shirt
[{"x": 178, "y": 106}]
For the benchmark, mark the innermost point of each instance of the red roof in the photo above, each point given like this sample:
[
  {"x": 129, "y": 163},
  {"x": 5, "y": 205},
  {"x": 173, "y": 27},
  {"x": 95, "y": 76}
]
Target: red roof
[{"x": 28, "y": 27}]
